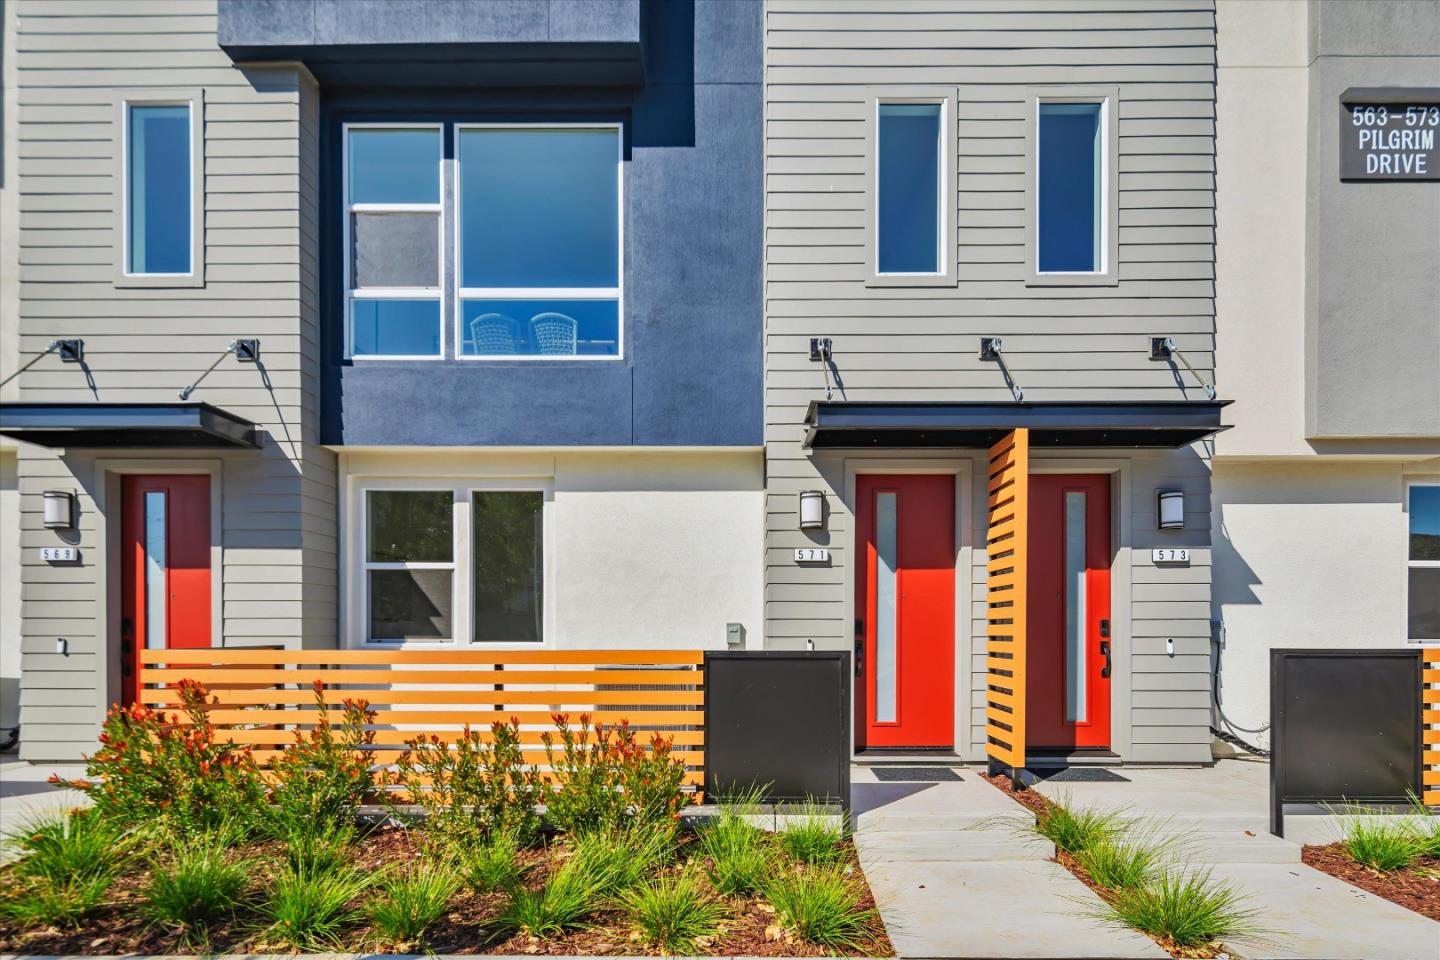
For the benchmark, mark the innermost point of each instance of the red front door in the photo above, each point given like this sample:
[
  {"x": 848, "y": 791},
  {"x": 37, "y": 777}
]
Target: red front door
[
  {"x": 165, "y": 584},
  {"x": 1068, "y": 646},
  {"x": 905, "y": 537}
]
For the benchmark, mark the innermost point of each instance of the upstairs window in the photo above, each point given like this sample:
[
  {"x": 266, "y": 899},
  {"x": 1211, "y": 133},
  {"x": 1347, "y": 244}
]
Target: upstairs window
[
  {"x": 910, "y": 189},
  {"x": 1424, "y": 562},
  {"x": 538, "y": 231},
  {"x": 1071, "y": 189},
  {"x": 393, "y": 240},
  {"x": 159, "y": 240}
]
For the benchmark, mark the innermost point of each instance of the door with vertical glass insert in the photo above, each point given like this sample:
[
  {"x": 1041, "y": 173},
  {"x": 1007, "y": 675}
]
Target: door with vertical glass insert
[
  {"x": 166, "y": 586},
  {"x": 905, "y": 611},
  {"x": 1069, "y": 653}
]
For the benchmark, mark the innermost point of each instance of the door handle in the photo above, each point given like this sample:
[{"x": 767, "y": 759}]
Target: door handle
[
  {"x": 1105, "y": 652},
  {"x": 1105, "y": 627},
  {"x": 859, "y": 646}
]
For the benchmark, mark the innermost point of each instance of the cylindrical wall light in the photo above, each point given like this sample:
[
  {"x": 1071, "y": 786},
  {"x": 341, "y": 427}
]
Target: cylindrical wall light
[
  {"x": 59, "y": 509},
  {"x": 1170, "y": 508},
  {"x": 812, "y": 510}
]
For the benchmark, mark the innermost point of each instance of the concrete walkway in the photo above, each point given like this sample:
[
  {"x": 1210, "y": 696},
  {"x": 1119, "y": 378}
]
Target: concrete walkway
[
  {"x": 1224, "y": 809},
  {"x": 953, "y": 882},
  {"x": 25, "y": 792}
]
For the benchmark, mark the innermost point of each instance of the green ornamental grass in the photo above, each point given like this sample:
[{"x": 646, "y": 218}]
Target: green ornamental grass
[
  {"x": 490, "y": 864},
  {"x": 739, "y": 856},
  {"x": 198, "y": 888},
  {"x": 1074, "y": 830},
  {"x": 411, "y": 900},
  {"x": 309, "y": 909},
  {"x": 821, "y": 906},
  {"x": 47, "y": 903},
  {"x": 814, "y": 837},
  {"x": 674, "y": 913},
  {"x": 1383, "y": 843},
  {"x": 62, "y": 848},
  {"x": 1191, "y": 908},
  {"x": 1133, "y": 860},
  {"x": 562, "y": 904}
]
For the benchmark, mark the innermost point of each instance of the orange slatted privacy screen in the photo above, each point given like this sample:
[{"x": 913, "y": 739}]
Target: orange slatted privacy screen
[
  {"x": 265, "y": 695},
  {"x": 1430, "y": 725},
  {"x": 1006, "y": 546}
]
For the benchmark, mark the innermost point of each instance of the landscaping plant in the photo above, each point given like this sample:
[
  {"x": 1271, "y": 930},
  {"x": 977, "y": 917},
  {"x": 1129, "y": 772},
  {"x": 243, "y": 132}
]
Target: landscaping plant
[
  {"x": 324, "y": 776},
  {"x": 561, "y": 904},
  {"x": 1079, "y": 829},
  {"x": 822, "y": 906},
  {"x": 309, "y": 909},
  {"x": 1384, "y": 843},
  {"x": 60, "y": 848},
  {"x": 739, "y": 856},
  {"x": 814, "y": 837},
  {"x": 37, "y": 903},
  {"x": 411, "y": 900},
  {"x": 604, "y": 776},
  {"x": 319, "y": 847},
  {"x": 674, "y": 913},
  {"x": 490, "y": 863},
  {"x": 476, "y": 782},
  {"x": 1187, "y": 908},
  {"x": 151, "y": 768},
  {"x": 200, "y": 886},
  {"x": 1133, "y": 860}
]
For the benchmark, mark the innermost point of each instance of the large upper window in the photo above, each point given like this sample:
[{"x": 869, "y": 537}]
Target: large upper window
[
  {"x": 538, "y": 232},
  {"x": 158, "y": 188},
  {"x": 1424, "y": 562},
  {"x": 532, "y": 215},
  {"x": 908, "y": 190},
  {"x": 1070, "y": 194},
  {"x": 393, "y": 241}
]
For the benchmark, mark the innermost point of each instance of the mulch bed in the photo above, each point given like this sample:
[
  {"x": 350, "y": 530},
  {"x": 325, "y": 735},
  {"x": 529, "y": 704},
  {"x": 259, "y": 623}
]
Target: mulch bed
[
  {"x": 1415, "y": 888},
  {"x": 469, "y": 927},
  {"x": 1037, "y": 804}
]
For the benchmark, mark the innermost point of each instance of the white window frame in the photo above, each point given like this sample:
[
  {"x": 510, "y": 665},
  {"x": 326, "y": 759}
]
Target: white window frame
[
  {"x": 436, "y": 292},
  {"x": 193, "y": 100},
  {"x": 946, "y": 194},
  {"x": 1108, "y": 274},
  {"x": 356, "y": 605},
  {"x": 617, "y": 292},
  {"x": 1410, "y": 564}
]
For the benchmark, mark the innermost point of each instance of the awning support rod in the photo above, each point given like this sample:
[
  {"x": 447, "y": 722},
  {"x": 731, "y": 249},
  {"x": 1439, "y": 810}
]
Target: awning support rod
[
  {"x": 246, "y": 351},
  {"x": 1163, "y": 348}
]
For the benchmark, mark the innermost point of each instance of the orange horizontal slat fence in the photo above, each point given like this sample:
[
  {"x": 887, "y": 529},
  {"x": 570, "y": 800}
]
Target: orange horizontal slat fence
[
  {"x": 1430, "y": 725},
  {"x": 264, "y": 696}
]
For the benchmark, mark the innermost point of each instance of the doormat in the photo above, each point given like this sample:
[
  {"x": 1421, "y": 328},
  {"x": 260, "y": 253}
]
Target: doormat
[
  {"x": 1081, "y": 775},
  {"x": 915, "y": 774}
]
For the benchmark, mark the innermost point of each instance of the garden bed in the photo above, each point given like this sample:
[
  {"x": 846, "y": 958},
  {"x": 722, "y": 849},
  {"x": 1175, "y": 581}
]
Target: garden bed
[{"x": 1416, "y": 887}]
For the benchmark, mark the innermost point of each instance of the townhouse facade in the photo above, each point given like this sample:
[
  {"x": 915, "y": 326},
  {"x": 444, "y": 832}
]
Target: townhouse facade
[
  {"x": 1327, "y": 489},
  {"x": 396, "y": 324}
]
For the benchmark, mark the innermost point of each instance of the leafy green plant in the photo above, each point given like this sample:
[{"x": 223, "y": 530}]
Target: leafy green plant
[
  {"x": 604, "y": 776},
  {"x": 490, "y": 864},
  {"x": 822, "y": 906},
  {"x": 815, "y": 836},
  {"x": 1074, "y": 830},
  {"x": 1188, "y": 908},
  {"x": 739, "y": 856},
  {"x": 478, "y": 782},
  {"x": 1133, "y": 860},
  {"x": 61, "y": 848},
  {"x": 200, "y": 886},
  {"x": 411, "y": 900},
  {"x": 309, "y": 909},
  {"x": 152, "y": 767},
  {"x": 674, "y": 913},
  {"x": 325, "y": 774},
  {"x": 42, "y": 902}
]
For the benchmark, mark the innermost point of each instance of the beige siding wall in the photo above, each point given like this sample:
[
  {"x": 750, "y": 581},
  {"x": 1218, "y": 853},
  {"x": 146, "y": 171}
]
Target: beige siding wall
[
  {"x": 823, "y": 61},
  {"x": 260, "y": 160}
]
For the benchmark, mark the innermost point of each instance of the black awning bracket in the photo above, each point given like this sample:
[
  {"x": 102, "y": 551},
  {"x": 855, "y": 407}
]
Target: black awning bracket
[
  {"x": 1152, "y": 424},
  {"x": 245, "y": 350},
  {"x": 1163, "y": 348},
  {"x": 992, "y": 349},
  {"x": 126, "y": 425}
]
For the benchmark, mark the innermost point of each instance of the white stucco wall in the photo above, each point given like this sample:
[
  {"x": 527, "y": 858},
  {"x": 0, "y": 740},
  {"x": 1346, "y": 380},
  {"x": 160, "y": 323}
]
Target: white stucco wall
[
  {"x": 1307, "y": 554},
  {"x": 644, "y": 548}
]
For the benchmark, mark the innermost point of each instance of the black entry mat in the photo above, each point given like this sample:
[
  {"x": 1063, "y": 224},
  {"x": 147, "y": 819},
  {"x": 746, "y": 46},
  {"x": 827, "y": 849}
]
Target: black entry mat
[
  {"x": 914, "y": 774},
  {"x": 1081, "y": 775}
]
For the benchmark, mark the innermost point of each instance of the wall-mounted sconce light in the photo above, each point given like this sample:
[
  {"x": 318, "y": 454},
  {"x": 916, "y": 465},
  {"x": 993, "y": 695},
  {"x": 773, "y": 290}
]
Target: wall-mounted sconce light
[
  {"x": 1170, "y": 508},
  {"x": 812, "y": 510},
  {"x": 59, "y": 509}
]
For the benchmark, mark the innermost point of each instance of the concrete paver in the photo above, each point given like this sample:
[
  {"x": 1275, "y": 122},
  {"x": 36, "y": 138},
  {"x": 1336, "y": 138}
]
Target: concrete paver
[{"x": 25, "y": 792}]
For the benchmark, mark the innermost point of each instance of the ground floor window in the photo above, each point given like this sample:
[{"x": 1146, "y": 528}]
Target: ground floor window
[
  {"x": 453, "y": 565},
  {"x": 1424, "y": 562}
]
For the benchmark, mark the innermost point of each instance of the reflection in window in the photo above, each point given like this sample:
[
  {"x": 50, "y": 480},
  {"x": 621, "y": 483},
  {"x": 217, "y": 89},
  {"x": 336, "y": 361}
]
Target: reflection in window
[
  {"x": 1424, "y": 562},
  {"x": 508, "y": 566},
  {"x": 410, "y": 564},
  {"x": 540, "y": 327},
  {"x": 158, "y": 201},
  {"x": 908, "y": 190},
  {"x": 1070, "y": 188}
]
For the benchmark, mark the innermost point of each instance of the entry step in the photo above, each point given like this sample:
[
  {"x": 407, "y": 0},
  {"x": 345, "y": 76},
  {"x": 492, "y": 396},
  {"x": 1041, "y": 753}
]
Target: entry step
[{"x": 948, "y": 846}]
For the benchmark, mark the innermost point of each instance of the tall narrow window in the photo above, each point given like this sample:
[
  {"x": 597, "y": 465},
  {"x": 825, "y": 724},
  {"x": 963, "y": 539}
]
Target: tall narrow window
[
  {"x": 1424, "y": 562},
  {"x": 159, "y": 200},
  {"x": 409, "y": 564},
  {"x": 539, "y": 241},
  {"x": 1070, "y": 188},
  {"x": 157, "y": 581},
  {"x": 508, "y": 566},
  {"x": 1076, "y": 671},
  {"x": 887, "y": 671},
  {"x": 392, "y": 228},
  {"x": 909, "y": 169}
]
